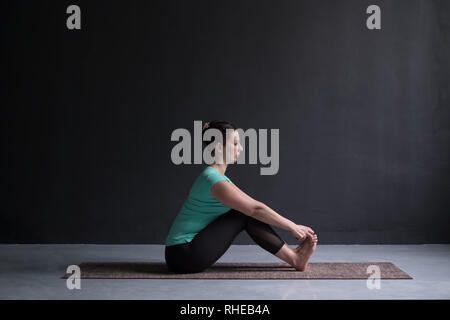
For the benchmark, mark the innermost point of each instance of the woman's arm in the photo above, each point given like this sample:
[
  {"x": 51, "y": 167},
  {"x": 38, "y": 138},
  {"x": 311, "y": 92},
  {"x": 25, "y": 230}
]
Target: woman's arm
[{"x": 233, "y": 197}]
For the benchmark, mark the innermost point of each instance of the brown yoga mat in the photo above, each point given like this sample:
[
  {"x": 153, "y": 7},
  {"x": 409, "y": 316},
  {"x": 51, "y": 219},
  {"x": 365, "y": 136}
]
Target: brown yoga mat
[{"x": 241, "y": 270}]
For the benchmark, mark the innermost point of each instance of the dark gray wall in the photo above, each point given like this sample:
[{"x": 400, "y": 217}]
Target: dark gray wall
[{"x": 363, "y": 115}]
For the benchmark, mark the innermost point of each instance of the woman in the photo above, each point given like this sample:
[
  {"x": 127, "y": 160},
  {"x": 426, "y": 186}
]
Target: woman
[{"x": 216, "y": 211}]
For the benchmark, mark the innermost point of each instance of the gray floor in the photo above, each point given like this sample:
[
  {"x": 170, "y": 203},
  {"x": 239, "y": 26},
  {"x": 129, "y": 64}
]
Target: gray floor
[{"x": 34, "y": 271}]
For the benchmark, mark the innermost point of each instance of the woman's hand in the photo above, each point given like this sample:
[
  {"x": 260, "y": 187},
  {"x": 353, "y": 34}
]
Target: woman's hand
[{"x": 301, "y": 232}]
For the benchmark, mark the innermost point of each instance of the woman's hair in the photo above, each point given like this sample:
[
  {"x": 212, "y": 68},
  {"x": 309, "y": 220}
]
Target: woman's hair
[{"x": 220, "y": 125}]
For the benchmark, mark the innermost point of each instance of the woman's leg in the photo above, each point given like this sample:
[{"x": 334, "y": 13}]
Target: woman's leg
[
  {"x": 215, "y": 239},
  {"x": 208, "y": 245},
  {"x": 264, "y": 235},
  {"x": 267, "y": 238}
]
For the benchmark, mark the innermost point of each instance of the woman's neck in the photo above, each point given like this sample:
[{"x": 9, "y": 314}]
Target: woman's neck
[{"x": 220, "y": 167}]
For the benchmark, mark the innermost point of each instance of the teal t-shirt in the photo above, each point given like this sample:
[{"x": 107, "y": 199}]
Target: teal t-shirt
[{"x": 199, "y": 209}]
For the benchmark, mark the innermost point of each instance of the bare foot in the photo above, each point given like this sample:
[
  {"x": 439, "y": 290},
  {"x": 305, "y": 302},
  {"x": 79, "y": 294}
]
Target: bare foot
[{"x": 303, "y": 252}]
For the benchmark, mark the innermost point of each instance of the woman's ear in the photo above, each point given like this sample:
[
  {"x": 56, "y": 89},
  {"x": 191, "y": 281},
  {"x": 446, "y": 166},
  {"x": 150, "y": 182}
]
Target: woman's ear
[{"x": 218, "y": 153}]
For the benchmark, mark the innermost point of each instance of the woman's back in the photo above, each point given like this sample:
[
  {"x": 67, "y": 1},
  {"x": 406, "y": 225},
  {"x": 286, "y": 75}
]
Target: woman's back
[{"x": 199, "y": 209}]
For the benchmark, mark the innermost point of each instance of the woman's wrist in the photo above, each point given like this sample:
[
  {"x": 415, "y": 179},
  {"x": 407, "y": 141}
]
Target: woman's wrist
[{"x": 291, "y": 225}]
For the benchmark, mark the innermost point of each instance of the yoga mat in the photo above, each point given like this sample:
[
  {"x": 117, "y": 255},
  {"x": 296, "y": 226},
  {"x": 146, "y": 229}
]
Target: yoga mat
[{"x": 241, "y": 270}]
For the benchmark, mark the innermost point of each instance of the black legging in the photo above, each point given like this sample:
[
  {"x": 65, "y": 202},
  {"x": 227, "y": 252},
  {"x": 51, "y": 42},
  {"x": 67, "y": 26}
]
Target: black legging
[{"x": 211, "y": 243}]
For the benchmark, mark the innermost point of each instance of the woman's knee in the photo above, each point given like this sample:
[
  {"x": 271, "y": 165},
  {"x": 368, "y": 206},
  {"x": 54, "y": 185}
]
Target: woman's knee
[{"x": 237, "y": 215}]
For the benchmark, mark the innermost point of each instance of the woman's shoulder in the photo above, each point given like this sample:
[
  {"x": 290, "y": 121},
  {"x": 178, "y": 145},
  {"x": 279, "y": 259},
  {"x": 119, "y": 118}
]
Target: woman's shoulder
[
  {"x": 211, "y": 171},
  {"x": 208, "y": 170},
  {"x": 212, "y": 175}
]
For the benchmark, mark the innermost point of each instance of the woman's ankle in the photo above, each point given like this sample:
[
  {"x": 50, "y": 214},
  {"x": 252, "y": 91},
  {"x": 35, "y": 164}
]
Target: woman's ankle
[{"x": 287, "y": 254}]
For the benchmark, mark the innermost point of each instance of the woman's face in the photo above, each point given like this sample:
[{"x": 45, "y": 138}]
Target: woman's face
[{"x": 233, "y": 147}]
